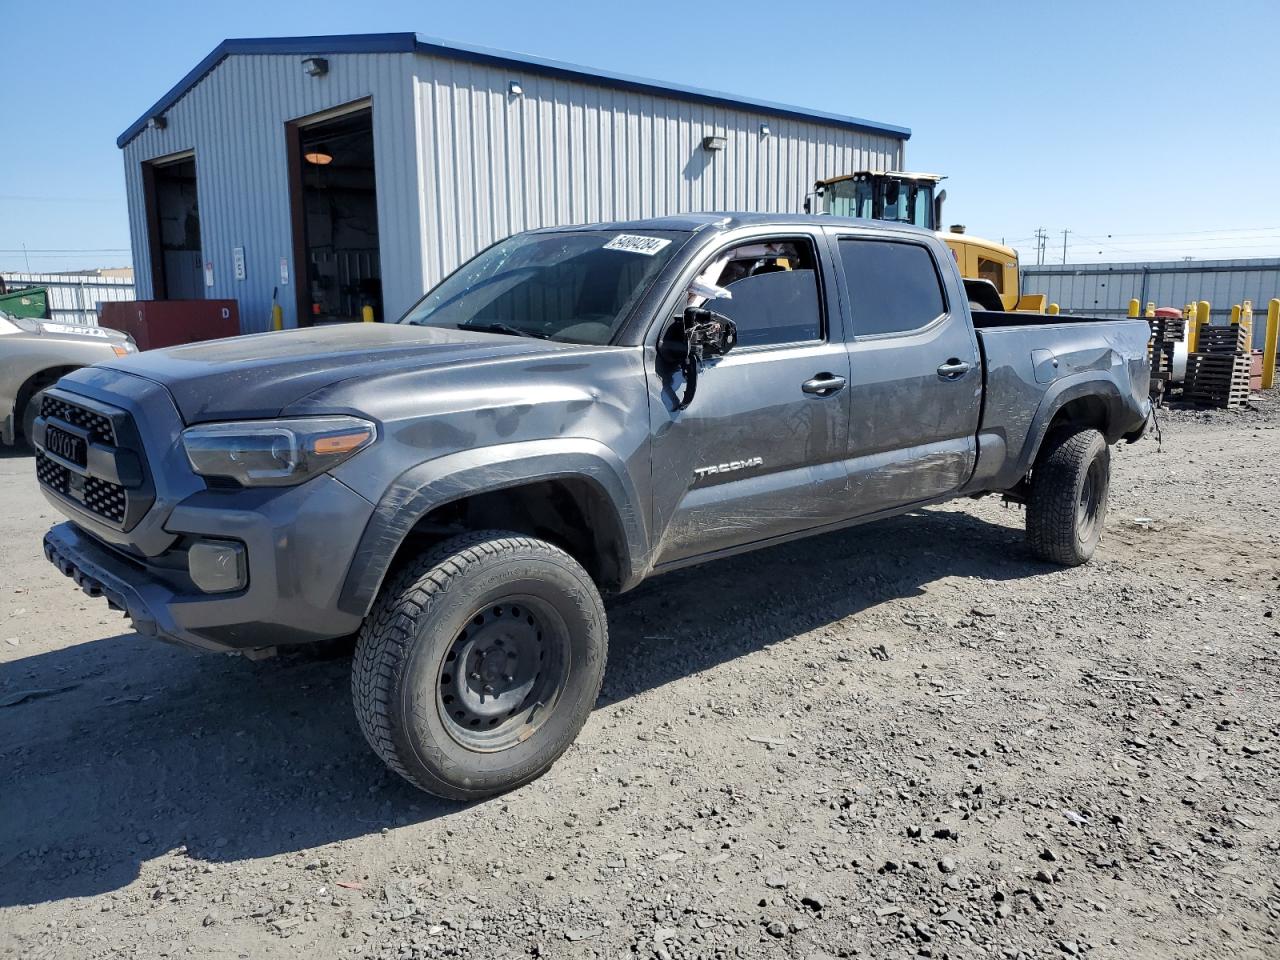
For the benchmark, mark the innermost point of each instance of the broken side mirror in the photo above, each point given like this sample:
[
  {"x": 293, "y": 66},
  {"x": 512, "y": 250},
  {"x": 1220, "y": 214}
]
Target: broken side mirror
[
  {"x": 709, "y": 334},
  {"x": 699, "y": 335}
]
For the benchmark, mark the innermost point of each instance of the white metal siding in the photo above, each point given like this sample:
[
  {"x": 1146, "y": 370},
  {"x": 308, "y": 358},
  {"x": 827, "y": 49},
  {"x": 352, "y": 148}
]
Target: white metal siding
[
  {"x": 1105, "y": 289},
  {"x": 460, "y": 163},
  {"x": 569, "y": 152},
  {"x": 234, "y": 119}
]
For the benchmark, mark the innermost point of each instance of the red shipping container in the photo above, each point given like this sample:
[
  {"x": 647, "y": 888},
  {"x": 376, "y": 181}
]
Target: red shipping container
[{"x": 169, "y": 323}]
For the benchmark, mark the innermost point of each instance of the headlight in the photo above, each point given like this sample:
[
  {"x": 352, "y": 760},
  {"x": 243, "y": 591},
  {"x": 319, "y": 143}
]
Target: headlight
[{"x": 275, "y": 453}]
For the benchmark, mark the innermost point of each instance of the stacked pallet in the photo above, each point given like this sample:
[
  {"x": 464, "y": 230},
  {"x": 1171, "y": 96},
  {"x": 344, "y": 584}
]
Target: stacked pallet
[
  {"x": 1165, "y": 334},
  {"x": 1218, "y": 372}
]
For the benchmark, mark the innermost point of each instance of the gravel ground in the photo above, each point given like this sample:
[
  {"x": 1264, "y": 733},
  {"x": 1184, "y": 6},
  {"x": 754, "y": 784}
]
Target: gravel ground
[{"x": 905, "y": 740}]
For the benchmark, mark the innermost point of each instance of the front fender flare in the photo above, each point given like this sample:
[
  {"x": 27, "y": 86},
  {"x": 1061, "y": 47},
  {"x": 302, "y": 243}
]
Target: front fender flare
[{"x": 432, "y": 484}]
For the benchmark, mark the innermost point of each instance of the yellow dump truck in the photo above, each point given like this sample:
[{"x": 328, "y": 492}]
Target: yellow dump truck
[{"x": 914, "y": 198}]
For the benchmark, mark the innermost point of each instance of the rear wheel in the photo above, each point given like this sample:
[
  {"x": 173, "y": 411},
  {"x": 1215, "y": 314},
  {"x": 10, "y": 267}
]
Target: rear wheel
[
  {"x": 479, "y": 664},
  {"x": 1067, "y": 507}
]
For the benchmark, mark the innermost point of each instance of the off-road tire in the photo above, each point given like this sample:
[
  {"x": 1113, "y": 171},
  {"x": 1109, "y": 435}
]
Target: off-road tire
[
  {"x": 1058, "y": 528},
  {"x": 413, "y": 626}
]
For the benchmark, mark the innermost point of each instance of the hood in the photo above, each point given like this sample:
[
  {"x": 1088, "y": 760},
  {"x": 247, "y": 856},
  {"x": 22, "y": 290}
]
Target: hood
[
  {"x": 53, "y": 330},
  {"x": 242, "y": 378}
]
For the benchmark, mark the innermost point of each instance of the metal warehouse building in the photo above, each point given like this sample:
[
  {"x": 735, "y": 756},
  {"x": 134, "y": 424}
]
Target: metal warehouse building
[{"x": 353, "y": 171}]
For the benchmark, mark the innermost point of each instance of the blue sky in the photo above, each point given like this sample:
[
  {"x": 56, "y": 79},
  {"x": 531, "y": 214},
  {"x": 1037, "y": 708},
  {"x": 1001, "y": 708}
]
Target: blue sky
[{"x": 1148, "y": 129}]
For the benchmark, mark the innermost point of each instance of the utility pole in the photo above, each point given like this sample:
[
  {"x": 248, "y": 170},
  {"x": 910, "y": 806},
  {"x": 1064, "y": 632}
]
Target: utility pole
[
  {"x": 1064, "y": 245},
  {"x": 1041, "y": 236},
  {"x": 25, "y": 257}
]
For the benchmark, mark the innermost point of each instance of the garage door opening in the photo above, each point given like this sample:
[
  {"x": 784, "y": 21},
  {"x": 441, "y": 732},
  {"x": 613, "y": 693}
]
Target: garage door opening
[
  {"x": 335, "y": 219},
  {"x": 173, "y": 228}
]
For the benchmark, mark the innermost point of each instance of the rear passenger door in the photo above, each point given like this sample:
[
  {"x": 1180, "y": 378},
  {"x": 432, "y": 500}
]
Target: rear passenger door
[{"x": 915, "y": 387}]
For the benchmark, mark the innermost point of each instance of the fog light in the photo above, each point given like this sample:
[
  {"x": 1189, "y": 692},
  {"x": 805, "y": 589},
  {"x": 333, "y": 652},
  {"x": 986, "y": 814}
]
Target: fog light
[{"x": 217, "y": 566}]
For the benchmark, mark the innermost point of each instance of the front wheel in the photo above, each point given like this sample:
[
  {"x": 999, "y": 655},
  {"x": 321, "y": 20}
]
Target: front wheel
[
  {"x": 479, "y": 664},
  {"x": 1068, "y": 503}
]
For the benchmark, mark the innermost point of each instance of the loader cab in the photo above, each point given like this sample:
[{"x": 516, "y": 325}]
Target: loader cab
[{"x": 896, "y": 197}]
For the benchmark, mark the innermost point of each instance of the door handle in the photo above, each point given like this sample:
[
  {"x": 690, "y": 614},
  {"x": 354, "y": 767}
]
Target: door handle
[
  {"x": 824, "y": 385},
  {"x": 954, "y": 369}
]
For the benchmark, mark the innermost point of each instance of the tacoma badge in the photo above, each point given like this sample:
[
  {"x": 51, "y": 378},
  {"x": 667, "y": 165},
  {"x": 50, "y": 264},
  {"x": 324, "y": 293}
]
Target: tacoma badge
[{"x": 729, "y": 467}]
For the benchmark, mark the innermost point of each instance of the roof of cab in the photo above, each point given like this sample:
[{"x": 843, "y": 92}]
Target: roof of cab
[{"x": 690, "y": 222}]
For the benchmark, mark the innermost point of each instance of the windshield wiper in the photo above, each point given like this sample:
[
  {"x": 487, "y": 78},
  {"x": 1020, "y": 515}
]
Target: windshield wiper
[{"x": 498, "y": 327}]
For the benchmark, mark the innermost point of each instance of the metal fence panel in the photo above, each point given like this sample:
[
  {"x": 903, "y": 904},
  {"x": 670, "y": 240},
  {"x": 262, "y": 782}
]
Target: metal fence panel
[
  {"x": 1105, "y": 289},
  {"x": 74, "y": 299}
]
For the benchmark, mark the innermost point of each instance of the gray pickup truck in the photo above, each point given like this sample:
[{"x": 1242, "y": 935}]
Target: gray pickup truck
[{"x": 572, "y": 411}]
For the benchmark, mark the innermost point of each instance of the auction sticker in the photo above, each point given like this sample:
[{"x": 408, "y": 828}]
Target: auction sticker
[{"x": 633, "y": 243}]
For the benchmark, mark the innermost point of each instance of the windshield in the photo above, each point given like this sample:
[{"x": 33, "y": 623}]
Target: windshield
[
  {"x": 577, "y": 287},
  {"x": 898, "y": 201},
  {"x": 850, "y": 198}
]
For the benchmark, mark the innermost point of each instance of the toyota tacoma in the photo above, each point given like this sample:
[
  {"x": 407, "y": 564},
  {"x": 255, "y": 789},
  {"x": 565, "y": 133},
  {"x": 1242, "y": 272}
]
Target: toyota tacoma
[{"x": 570, "y": 412}]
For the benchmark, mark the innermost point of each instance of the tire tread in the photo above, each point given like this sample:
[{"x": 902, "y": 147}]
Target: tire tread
[
  {"x": 389, "y": 631},
  {"x": 1051, "y": 507}
]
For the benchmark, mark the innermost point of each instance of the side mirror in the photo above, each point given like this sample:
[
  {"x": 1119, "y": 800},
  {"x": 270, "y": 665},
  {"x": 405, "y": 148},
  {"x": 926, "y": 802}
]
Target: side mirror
[{"x": 709, "y": 334}]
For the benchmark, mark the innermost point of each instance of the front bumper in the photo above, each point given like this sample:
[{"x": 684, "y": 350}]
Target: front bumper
[{"x": 297, "y": 542}]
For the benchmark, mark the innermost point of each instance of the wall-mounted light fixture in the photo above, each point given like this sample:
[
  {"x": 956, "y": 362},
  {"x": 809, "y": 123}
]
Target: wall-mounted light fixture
[
  {"x": 315, "y": 66},
  {"x": 515, "y": 89},
  {"x": 157, "y": 122},
  {"x": 764, "y": 130},
  {"x": 714, "y": 142}
]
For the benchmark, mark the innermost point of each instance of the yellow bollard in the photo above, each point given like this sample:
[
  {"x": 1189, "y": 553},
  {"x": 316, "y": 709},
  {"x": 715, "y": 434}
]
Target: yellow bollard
[
  {"x": 1151, "y": 310},
  {"x": 1201, "y": 320},
  {"x": 1269, "y": 345},
  {"x": 277, "y": 317},
  {"x": 366, "y": 313},
  {"x": 1246, "y": 321},
  {"x": 1135, "y": 308},
  {"x": 1235, "y": 314},
  {"x": 1053, "y": 310}
]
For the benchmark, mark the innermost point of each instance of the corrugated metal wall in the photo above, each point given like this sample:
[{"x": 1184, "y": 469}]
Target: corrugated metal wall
[
  {"x": 460, "y": 162},
  {"x": 235, "y": 119},
  {"x": 1106, "y": 288},
  {"x": 74, "y": 299},
  {"x": 567, "y": 152}
]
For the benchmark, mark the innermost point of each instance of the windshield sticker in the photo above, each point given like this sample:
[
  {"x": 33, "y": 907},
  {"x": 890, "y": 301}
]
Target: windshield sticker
[{"x": 632, "y": 243}]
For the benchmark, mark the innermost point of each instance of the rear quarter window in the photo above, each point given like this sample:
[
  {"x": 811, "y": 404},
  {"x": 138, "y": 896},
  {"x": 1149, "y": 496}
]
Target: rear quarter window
[{"x": 893, "y": 286}]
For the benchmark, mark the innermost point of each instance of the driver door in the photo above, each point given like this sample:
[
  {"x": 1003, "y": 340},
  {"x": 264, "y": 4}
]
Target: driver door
[{"x": 759, "y": 452}]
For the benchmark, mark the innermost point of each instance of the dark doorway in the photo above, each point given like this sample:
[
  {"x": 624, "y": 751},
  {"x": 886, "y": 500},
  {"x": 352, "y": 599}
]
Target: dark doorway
[
  {"x": 173, "y": 228},
  {"x": 335, "y": 219}
]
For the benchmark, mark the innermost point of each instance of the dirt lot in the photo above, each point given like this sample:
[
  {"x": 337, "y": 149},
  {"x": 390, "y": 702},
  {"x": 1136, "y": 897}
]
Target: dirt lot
[{"x": 904, "y": 740}]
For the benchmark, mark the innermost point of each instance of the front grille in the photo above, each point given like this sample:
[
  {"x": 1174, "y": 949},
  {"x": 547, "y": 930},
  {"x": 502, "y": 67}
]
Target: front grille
[
  {"x": 104, "y": 498},
  {"x": 119, "y": 505},
  {"x": 99, "y": 427},
  {"x": 52, "y": 475}
]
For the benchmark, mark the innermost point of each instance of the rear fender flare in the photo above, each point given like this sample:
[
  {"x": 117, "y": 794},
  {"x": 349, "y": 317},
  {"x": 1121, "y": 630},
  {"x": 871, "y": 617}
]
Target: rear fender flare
[
  {"x": 1059, "y": 394},
  {"x": 438, "y": 482}
]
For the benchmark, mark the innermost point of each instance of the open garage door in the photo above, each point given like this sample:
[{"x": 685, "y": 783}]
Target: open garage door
[
  {"x": 335, "y": 218},
  {"x": 173, "y": 228}
]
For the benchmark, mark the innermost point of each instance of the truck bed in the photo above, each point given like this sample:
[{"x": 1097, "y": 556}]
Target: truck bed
[{"x": 1032, "y": 360}]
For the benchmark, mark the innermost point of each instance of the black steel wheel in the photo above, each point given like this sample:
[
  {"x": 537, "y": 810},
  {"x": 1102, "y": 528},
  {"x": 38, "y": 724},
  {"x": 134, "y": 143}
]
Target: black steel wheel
[
  {"x": 479, "y": 663},
  {"x": 504, "y": 673}
]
